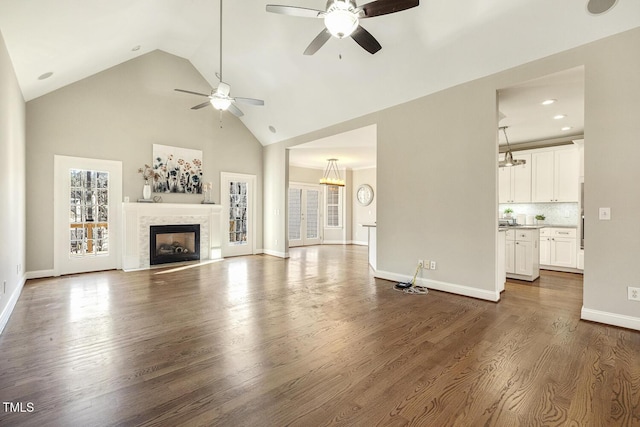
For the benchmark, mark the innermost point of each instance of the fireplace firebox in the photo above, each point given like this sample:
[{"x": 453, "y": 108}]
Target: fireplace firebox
[{"x": 174, "y": 243}]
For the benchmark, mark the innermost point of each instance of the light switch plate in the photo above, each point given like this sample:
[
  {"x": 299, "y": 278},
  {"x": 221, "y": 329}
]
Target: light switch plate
[{"x": 604, "y": 214}]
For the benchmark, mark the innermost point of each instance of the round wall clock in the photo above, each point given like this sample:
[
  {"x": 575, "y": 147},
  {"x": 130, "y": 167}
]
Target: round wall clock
[{"x": 364, "y": 195}]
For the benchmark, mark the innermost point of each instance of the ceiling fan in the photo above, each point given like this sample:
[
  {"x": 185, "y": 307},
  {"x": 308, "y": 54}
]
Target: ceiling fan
[
  {"x": 220, "y": 98},
  {"x": 341, "y": 19}
]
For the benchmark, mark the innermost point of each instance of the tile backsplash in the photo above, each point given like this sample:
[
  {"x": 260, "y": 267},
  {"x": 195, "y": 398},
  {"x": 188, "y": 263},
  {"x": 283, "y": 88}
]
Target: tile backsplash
[{"x": 555, "y": 213}]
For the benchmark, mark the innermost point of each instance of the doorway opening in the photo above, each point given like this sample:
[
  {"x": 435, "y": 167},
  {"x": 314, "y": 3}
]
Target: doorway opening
[{"x": 540, "y": 201}]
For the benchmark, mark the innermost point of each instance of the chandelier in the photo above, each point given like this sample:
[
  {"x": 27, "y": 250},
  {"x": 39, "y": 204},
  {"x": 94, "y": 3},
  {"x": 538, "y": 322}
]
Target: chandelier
[{"x": 332, "y": 174}]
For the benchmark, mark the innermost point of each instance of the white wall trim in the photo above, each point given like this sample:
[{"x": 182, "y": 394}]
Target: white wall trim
[
  {"x": 276, "y": 253},
  {"x": 13, "y": 300},
  {"x": 359, "y": 243},
  {"x": 334, "y": 242},
  {"x": 39, "y": 274},
  {"x": 452, "y": 288},
  {"x": 610, "y": 318}
]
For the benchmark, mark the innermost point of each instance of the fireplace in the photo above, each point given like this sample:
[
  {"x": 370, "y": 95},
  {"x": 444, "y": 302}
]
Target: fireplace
[{"x": 174, "y": 243}]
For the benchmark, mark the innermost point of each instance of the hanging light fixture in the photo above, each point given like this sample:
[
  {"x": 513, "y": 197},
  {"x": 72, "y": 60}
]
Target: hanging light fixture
[
  {"x": 508, "y": 156},
  {"x": 332, "y": 174}
]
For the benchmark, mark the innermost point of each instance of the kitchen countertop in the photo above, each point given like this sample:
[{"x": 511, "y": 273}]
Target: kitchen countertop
[{"x": 537, "y": 226}]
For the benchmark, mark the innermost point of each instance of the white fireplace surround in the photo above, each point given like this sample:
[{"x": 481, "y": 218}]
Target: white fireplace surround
[{"x": 137, "y": 218}]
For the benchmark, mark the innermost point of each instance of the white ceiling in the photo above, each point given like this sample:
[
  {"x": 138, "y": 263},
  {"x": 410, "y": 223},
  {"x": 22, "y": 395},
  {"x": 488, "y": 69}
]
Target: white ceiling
[{"x": 436, "y": 45}]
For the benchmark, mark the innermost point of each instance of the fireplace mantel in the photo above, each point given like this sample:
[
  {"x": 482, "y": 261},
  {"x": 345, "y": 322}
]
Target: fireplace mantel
[{"x": 138, "y": 217}]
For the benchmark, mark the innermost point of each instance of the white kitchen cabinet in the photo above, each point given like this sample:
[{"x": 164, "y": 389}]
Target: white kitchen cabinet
[
  {"x": 558, "y": 248},
  {"x": 555, "y": 174},
  {"x": 522, "y": 254},
  {"x": 563, "y": 252},
  {"x": 545, "y": 247},
  {"x": 510, "y": 258},
  {"x": 514, "y": 183}
]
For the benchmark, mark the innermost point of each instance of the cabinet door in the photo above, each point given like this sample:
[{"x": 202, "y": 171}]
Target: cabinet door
[
  {"x": 510, "y": 263},
  {"x": 563, "y": 252},
  {"x": 504, "y": 185},
  {"x": 545, "y": 250},
  {"x": 524, "y": 258},
  {"x": 566, "y": 171},
  {"x": 521, "y": 180},
  {"x": 542, "y": 176}
]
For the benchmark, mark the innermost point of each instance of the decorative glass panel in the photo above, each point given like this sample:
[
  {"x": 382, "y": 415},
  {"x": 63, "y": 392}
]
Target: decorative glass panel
[
  {"x": 295, "y": 213},
  {"x": 88, "y": 212},
  {"x": 312, "y": 209},
  {"x": 238, "y": 213}
]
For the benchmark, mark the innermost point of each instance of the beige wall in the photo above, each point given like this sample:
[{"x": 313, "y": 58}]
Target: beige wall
[
  {"x": 363, "y": 214},
  {"x": 12, "y": 186},
  {"x": 432, "y": 207},
  {"x": 119, "y": 114}
]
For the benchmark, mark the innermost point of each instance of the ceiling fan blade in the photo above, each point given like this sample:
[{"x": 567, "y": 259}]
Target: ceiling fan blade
[
  {"x": 318, "y": 42},
  {"x": 199, "y": 106},
  {"x": 192, "y": 93},
  {"x": 295, "y": 11},
  {"x": 366, "y": 40},
  {"x": 250, "y": 101},
  {"x": 223, "y": 89},
  {"x": 384, "y": 7},
  {"x": 235, "y": 110}
]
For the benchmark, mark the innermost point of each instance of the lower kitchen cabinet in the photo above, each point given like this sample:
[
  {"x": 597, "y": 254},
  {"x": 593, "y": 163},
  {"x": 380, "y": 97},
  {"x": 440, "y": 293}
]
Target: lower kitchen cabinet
[
  {"x": 522, "y": 254},
  {"x": 558, "y": 248}
]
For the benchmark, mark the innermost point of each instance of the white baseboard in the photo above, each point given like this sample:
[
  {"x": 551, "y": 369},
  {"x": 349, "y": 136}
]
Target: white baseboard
[
  {"x": 356, "y": 242},
  {"x": 607, "y": 318},
  {"x": 453, "y": 288},
  {"x": 334, "y": 242},
  {"x": 11, "y": 304},
  {"x": 39, "y": 274},
  {"x": 276, "y": 253}
]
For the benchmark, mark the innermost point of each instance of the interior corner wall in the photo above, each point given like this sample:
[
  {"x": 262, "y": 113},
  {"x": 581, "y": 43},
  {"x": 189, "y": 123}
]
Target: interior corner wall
[
  {"x": 276, "y": 181},
  {"x": 118, "y": 114},
  {"x": 12, "y": 186},
  {"x": 611, "y": 177}
]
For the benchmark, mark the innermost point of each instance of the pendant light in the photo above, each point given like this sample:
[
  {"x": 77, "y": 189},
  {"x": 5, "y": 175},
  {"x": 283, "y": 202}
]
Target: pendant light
[
  {"x": 508, "y": 156},
  {"x": 332, "y": 174}
]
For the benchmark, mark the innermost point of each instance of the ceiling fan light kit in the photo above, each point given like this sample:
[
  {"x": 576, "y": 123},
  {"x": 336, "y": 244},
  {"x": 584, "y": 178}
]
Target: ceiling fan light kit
[
  {"x": 342, "y": 19},
  {"x": 220, "y": 98}
]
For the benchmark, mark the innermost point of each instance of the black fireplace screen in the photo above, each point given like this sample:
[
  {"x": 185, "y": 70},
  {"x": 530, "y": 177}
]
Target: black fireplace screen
[{"x": 174, "y": 243}]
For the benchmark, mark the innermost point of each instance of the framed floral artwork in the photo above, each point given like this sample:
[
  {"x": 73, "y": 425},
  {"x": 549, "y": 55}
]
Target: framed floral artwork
[{"x": 177, "y": 170}]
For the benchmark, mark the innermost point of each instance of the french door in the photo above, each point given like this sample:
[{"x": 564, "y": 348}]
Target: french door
[
  {"x": 237, "y": 197},
  {"x": 87, "y": 194},
  {"x": 304, "y": 215}
]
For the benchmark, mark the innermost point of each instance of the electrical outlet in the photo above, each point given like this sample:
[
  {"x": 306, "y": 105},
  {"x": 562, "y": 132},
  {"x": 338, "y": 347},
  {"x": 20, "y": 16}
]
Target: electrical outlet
[
  {"x": 633, "y": 293},
  {"x": 426, "y": 264},
  {"x": 432, "y": 265},
  {"x": 420, "y": 263}
]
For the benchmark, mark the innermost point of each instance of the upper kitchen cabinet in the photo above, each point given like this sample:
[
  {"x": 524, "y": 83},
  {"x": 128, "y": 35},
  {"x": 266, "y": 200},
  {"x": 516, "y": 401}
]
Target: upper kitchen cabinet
[
  {"x": 514, "y": 183},
  {"x": 555, "y": 175}
]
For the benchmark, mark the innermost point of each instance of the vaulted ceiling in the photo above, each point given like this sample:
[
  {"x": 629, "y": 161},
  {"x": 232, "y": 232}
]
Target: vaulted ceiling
[{"x": 436, "y": 45}]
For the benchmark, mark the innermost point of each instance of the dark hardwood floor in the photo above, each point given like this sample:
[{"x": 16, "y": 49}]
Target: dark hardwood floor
[{"x": 310, "y": 341}]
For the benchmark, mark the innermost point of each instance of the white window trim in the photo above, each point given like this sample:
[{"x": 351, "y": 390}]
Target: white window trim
[{"x": 340, "y": 208}]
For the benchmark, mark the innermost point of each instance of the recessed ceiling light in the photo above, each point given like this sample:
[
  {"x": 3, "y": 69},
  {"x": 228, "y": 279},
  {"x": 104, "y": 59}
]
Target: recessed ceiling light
[
  {"x": 45, "y": 75},
  {"x": 135, "y": 48},
  {"x": 548, "y": 101},
  {"x": 272, "y": 129},
  {"x": 566, "y": 128},
  {"x": 559, "y": 116}
]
